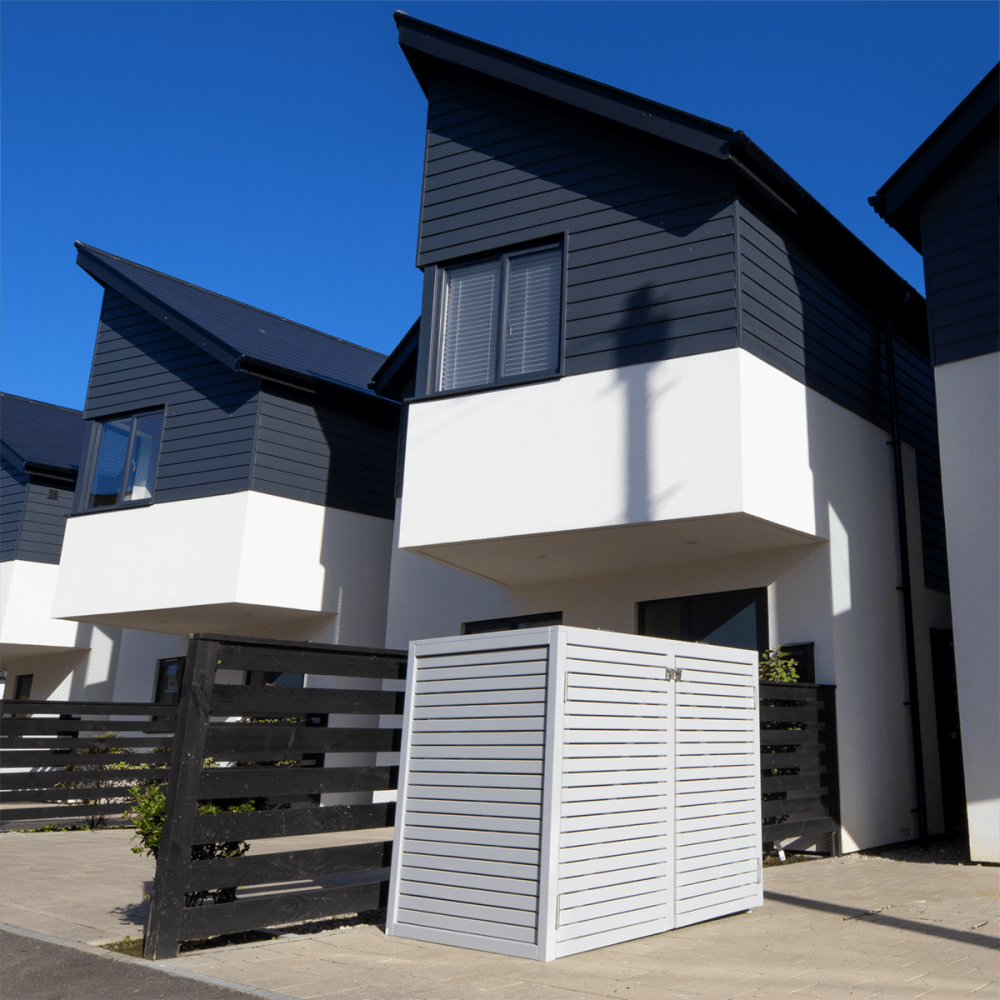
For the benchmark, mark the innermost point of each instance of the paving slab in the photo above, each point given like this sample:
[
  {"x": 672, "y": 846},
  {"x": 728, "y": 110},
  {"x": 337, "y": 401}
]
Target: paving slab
[{"x": 848, "y": 927}]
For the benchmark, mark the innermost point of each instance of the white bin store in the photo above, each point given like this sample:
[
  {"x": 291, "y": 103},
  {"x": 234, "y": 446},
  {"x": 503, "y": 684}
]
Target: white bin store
[{"x": 563, "y": 789}]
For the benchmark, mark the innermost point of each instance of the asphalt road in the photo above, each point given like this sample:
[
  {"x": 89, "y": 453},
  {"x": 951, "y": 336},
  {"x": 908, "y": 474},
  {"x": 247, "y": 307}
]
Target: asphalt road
[{"x": 38, "y": 970}]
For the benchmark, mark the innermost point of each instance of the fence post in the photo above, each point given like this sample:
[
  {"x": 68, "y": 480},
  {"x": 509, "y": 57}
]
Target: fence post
[
  {"x": 174, "y": 855},
  {"x": 828, "y": 695}
]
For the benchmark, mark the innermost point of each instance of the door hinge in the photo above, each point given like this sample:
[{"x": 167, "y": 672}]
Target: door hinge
[{"x": 673, "y": 673}]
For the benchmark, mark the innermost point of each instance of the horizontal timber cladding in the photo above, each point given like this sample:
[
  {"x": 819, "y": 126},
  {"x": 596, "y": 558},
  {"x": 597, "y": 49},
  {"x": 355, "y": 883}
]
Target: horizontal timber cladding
[
  {"x": 13, "y": 497},
  {"x": 797, "y": 317},
  {"x": 958, "y": 233},
  {"x": 651, "y": 256},
  {"x": 340, "y": 452},
  {"x": 54, "y": 755},
  {"x": 44, "y": 522},
  {"x": 318, "y": 762},
  {"x": 565, "y": 789},
  {"x": 211, "y": 411}
]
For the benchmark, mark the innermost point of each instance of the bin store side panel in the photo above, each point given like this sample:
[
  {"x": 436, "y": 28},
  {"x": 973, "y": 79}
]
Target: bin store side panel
[
  {"x": 718, "y": 834},
  {"x": 469, "y": 840},
  {"x": 615, "y": 874}
]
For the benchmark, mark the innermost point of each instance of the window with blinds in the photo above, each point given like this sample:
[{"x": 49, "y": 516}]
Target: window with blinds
[{"x": 501, "y": 319}]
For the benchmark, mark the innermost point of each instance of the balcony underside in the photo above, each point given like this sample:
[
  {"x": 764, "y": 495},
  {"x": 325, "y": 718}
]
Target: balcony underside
[
  {"x": 10, "y": 651},
  {"x": 227, "y": 618},
  {"x": 522, "y": 560}
]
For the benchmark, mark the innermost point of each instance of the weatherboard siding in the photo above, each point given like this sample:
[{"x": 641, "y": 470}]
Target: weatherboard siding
[
  {"x": 958, "y": 233},
  {"x": 797, "y": 317},
  {"x": 650, "y": 244},
  {"x": 211, "y": 411},
  {"x": 43, "y": 523},
  {"x": 13, "y": 497},
  {"x": 326, "y": 451}
]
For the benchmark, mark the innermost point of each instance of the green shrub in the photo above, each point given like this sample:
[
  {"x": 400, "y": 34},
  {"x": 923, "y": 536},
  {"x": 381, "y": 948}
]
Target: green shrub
[
  {"x": 147, "y": 812},
  {"x": 778, "y": 666}
]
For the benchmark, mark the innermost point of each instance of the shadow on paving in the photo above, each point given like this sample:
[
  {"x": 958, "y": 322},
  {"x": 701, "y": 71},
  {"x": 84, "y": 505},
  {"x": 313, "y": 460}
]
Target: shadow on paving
[{"x": 39, "y": 970}]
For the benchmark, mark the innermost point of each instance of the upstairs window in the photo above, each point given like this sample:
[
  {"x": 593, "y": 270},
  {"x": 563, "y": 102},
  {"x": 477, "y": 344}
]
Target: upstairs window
[
  {"x": 125, "y": 463},
  {"x": 501, "y": 319}
]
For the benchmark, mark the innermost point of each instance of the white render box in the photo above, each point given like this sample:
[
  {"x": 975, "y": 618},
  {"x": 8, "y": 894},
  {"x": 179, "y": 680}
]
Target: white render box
[{"x": 563, "y": 789}]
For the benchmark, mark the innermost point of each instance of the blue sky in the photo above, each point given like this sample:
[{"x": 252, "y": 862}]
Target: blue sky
[{"x": 272, "y": 151}]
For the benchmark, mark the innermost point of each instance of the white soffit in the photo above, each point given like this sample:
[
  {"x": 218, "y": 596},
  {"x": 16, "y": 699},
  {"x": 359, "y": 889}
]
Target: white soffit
[{"x": 565, "y": 555}]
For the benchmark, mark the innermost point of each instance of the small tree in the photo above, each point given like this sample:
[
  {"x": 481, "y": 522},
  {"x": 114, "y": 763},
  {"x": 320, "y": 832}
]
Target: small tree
[{"x": 778, "y": 666}]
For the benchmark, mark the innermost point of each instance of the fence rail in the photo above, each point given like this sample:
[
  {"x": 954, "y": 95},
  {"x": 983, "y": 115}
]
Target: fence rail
[
  {"x": 799, "y": 762},
  {"x": 53, "y": 755},
  {"x": 329, "y": 752}
]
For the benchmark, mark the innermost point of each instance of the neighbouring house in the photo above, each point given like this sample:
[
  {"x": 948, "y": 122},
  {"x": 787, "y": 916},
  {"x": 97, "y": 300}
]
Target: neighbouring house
[
  {"x": 236, "y": 472},
  {"x": 944, "y": 201},
  {"x": 650, "y": 393},
  {"x": 43, "y": 657}
]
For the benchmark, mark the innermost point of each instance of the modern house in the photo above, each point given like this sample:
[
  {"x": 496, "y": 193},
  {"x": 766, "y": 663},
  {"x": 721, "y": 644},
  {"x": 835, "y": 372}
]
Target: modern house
[
  {"x": 654, "y": 390},
  {"x": 944, "y": 201},
  {"x": 237, "y": 471},
  {"x": 44, "y": 657}
]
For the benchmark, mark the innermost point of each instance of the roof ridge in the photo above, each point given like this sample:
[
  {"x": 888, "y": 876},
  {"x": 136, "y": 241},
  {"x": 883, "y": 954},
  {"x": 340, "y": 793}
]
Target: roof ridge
[
  {"x": 226, "y": 298},
  {"x": 41, "y": 402}
]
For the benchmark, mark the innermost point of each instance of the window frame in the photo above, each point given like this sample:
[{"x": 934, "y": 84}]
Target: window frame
[
  {"x": 503, "y": 255},
  {"x": 93, "y": 452},
  {"x": 758, "y": 594},
  {"x": 512, "y": 623}
]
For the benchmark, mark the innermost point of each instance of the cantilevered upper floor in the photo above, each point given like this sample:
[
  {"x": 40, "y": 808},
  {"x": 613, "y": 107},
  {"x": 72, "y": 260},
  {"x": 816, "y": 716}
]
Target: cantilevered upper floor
[
  {"x": 238, "y": 474},
  {"x": 612, "y": 288}
]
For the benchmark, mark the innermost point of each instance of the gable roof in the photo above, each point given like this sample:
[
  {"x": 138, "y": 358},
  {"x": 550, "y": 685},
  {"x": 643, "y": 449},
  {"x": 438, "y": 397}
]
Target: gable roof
[
  {"x": 429, "y": 49},
  {"x": 40, "y": 437},
  {"x": 899, "y": 199},
  {"x": 238, "y": 335}
]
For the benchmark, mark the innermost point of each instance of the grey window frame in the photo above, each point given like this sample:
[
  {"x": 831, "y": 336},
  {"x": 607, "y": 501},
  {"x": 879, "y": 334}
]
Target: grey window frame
[
  {"x": 440, "y": 316},
  {"x": 94, "y": 450}
]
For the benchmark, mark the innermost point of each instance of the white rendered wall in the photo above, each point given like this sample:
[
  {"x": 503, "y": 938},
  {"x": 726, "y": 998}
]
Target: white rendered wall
[
  {"x": 839, "y": 594},
  {"x": 665, "y": 442},
  {"x": 245, "y": 564},
  {"x": 26, "y": 625},
  {"x": 969, "y": 434}
]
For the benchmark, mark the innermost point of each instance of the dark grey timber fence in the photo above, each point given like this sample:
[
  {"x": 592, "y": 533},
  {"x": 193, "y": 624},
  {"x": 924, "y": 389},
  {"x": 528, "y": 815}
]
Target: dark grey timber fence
[
  {"x": 340, "y": 741},
  {"x": 798, "y": 759},
  {"x": 62, "y": 747}
]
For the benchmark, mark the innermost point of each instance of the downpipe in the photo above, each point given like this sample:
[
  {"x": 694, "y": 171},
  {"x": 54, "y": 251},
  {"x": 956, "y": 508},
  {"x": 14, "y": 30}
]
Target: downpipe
[{"x": 904, "y": 567}]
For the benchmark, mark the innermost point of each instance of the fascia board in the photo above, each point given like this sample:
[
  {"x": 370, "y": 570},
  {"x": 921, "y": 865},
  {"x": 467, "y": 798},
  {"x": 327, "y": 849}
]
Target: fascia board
[
  {"x": 934, "y": 159},
  {"x": 421, "y": 41},
  {"x": 198, "y": 336},
  {"x": 313, "y": 383}
]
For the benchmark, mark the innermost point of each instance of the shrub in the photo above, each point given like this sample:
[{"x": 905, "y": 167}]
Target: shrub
[{"x": 778, "y": 666}]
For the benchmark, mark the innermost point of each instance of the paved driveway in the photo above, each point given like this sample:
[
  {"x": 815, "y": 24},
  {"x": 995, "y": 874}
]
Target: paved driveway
[{"x": 849, "y": 927}]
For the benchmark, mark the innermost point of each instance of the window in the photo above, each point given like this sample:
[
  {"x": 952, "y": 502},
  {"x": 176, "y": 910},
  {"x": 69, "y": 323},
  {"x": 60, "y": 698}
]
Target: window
[
  {"x": 125, "y": 465},
  {"x": 169, "y": 675},
  {"x": 736, "y": 618},
  {"x": 507, "y": 624},
  {"x": 500, "y": 319},
  {"x": 22, "y": 687}
]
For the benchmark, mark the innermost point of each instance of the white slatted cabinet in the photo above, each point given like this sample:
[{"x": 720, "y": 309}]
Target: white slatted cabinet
[{"x": 562, "y": 789}]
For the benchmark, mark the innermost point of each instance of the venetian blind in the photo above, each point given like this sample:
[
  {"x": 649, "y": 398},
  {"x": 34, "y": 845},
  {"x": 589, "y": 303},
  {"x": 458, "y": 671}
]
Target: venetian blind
[
  {"x": 534, "y": 295},
  {"x": 470, "y": 327}
]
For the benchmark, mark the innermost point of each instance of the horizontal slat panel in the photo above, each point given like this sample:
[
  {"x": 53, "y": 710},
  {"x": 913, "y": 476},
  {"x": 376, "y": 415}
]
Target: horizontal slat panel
[
  {"x": 613, "y": 881},
  {"x": 465, "y": 925},
  {"x": 715, "y": 834},
  {"x": 423, "y": 828},
  {"x": 529, "y": 710},
  {"x": 511, "y": 916},
  {"x": 694, "y": 863},
  {"x": 467, "y": 821},
  {"x": 523, "y": 890},
  {"x": 527, "y": 903},
  {"x": 413, "y": 842},
  {"x": 412, "y": 859},
  {"x": 704, "y": 876},
  {"x": 615, "y": 820},
  {"x": 493, "y": 739}
]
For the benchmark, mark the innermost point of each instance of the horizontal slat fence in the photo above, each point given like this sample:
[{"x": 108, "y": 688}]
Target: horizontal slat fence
[
  {"x": 798, "y": 761},
  {"x": 54, "y": 756},
  {"x": 316, "y": 760}
]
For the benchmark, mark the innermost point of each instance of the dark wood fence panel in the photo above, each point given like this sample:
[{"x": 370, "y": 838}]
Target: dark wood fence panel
[
  {"x": 798, "y": 747},
  {"x": 54, "y": 755},
  {"x": 311, "y": 761}
]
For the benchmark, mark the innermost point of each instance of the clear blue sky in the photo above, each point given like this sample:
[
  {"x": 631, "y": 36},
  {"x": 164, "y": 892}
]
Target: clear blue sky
[{"x": 272, "y": 151}]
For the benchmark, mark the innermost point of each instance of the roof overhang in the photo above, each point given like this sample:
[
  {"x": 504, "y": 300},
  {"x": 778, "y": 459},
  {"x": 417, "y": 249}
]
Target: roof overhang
[
  {"x": 429, "y": 49},
  {"x": 104, "y": 274},
  {"x": 899, "y": 199}
]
